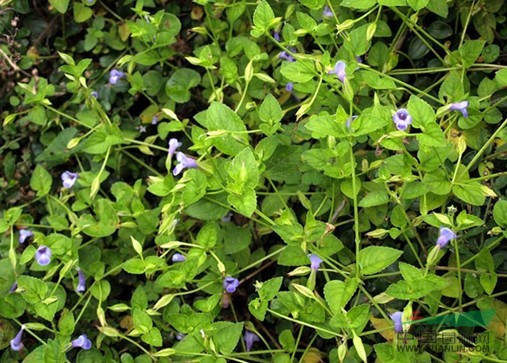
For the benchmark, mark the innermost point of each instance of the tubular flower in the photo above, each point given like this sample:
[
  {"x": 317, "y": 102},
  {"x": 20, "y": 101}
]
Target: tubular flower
[
  {"x": 183, "y": 163},
  {"x": 402, "y": 119},
  {"x": 16, "y": 343},
  {"x": 82, "y": 341},
  {"x": 349, "y": 121},
  {"x": 24, "y": 234},
  {"x": 174, "y": 144},
  {"x": 444, "y": 236},
  {"x": 289, "y": 86},
  {"x": 115, "y": 75},
  {"x": 178, "y": 257},
  {"x": 396, "y": 318},
  {"x": 285, "y": 55},
  {"x": 43, "y": 255},
  {"x": 339, "y": 70},
  {"x": 327, "y": 13},
  {"x": 81, "y": 285},
  {"x": 461, "y": 107},
  {"x": 250, "y": 338},
  {"x": 315, "y": 262},
  {"x": 68, "y": 179},
  {"x": 230, "y": 284}
]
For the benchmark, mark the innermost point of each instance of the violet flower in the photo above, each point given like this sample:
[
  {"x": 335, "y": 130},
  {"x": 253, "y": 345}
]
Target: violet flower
[
  {"x": 402, "y": 119},
  {"x": 68, "y": 179},
  {"x": 82, "y": 341},
  {"x": 174, "y": 144},
  {"x": 81, "y": 285},
  {"x": 276, "y": 35},
  {"x": 327, "y": 13},
  {"x": 286, "y": 56},
  {"x": 178, "y": 257},
  {"x": 16, "y": 343},
  {"x": 43, "y": 255},
  {"x": 315, "y": 262},
  {"x": 115, "y": 75},
  {"x": 396, "y": 317},
  {"x": 154, "y": 120},
  {"x": 230, "y": 284},
  {"x": 444, "y": 236},
  {"x": 461, "y": 107},
  {"x": 14, "y": 287},
  {"x": 24, "y": 234},
  {"x": 349, "y": 121},
  {"x": 289, "y": 86},
  {"x": 250, "y": 338},
  {"x": 95, "y": 94},
  {"x": 339, "y": 70},
  {"x": 183, "y": 163}
]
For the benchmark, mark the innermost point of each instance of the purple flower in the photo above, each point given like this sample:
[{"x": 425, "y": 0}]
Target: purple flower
[
  {"x": 396, "y": 317},
  {"x": 81, "y": 285},
  {"x": 95, "y": 94},
  {"x": 349, "y": 121},
  {"x": 402, "y": 119},
  {"x": 183, "y": 163},
  {"x": 227, "y": 217},
  {"x": 314, "y": 262},
  {"x": 154, "y": 120},
  {"x": 276, "y": 35},
  {"x": 327, "y": 13},
  {"x": 174, "y": 144},
  {"x": 16, "y": 343},
  {"x": 339, "y": 70},
  {"x": 24, "y": 234},
  {"x": 43, "y": 255},
  {"x": 180, "y": 336},
  {"x": 178, "y": 257},
  {"x": 68, "y": 179},
  {"x": 250, "y": 338},
  {"x": 461, "y": 107},
  {"x": 285, "y": 55},
  {"x": 444, "y": 236},
  {"x": 289, "y": 86},
  {"x": 13, "y": 287},
  {"x": 115, "y": 75},
  {"x": 230, "y": 284},
  {"x": 82, "y": 341}
]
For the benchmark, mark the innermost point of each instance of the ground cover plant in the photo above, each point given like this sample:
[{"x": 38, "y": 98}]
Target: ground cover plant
[{"x": 253, "y": 181}]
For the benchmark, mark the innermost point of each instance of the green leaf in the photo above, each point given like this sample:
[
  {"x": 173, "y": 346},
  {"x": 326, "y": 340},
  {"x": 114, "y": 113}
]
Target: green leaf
[
  {"x": 359, "y": 4},
  {"x": 263, "y": 16},
  {"x": 60, "y": 5},
  {"x": 270, "y": 110},
  {"x": 153, "y": 337},
  {"x": 268, "y": 289},
  {"x": 313, "y": 4},
  {"x": 179, "y": 84},
  {"x": 208, "y": 235},
  {"x": 258, "y": 308},
  {"x": 422, "y": 113},
  {"x": 338, "y": 293},
  {"x": 81, "y": 12},
  {"x": 226, "y": 336},
  {"x": 374, "y": 259},
  {"x": 416, "y": 289},
  {"x": 418, "y": 4},
  {"x": 301, "y": 71},
  {"x": 470, "y": 51},
  {"x": 500, "y": 213},
  {"x": 246, "y": 203},
  {"x": 470, "y": 193},
  {"x": 243, "y": 172},
  {"x": 41, "y": 181},
  {"x": 374, "y": 198},
  {"x": 438, "y": 7},
  {"x": 219, "y": 117},
  {"x": 437, "y": 182},
  {"x": 37, "y": 115}
]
